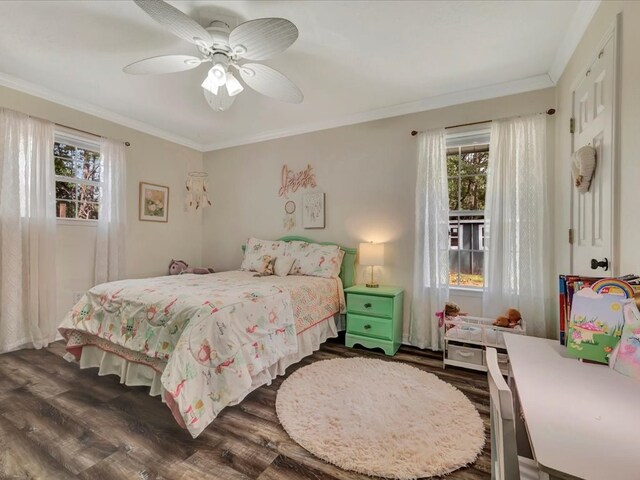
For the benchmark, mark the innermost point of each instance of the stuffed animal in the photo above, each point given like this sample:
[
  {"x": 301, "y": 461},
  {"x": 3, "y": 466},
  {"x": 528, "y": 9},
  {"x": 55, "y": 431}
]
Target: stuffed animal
[
  {"x": 512, "y": 319},
  {"x": 177, "y": 267},
  {"x": 451, "y": 309}
]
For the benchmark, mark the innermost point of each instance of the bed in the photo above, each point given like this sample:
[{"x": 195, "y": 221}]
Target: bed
[{"x": 204, "y": 342}]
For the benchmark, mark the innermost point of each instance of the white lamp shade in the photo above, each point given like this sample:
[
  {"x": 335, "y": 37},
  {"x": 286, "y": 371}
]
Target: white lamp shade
[{"x": 371, "y": 254}]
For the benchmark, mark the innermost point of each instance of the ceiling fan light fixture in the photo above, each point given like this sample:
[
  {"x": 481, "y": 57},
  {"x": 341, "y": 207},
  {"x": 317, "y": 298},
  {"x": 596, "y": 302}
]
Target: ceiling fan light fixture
[
  {"x": 234, "y": 87},
  {"x": 218, "y": 74},
  {"x": 210, "y": 85}
]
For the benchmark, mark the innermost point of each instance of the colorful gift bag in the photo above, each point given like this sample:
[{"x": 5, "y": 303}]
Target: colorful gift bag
[
  {"x": 626, "y": 357},
  {"x": 595, "y": 325}
]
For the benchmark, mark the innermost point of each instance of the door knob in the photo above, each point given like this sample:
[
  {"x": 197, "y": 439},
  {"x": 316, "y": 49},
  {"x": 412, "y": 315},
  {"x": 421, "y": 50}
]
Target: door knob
[{"x": 599, "y": 264}]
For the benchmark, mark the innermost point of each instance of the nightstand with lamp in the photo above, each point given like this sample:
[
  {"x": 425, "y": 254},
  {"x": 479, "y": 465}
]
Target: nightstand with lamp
[{"x": 374, "y": 313}]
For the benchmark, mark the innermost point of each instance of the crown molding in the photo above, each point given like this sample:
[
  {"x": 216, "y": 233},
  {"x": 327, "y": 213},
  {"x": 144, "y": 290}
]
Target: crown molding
[
  {"x": 578, "y": 25},
  {"x": 85, "y": 107},
  {"x": 537, "y": 82}
]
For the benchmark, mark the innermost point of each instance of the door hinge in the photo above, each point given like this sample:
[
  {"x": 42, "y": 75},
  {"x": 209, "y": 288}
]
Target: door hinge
[
  {"x": 571, "y": 236},
  {"x": 572, "y": 125}
]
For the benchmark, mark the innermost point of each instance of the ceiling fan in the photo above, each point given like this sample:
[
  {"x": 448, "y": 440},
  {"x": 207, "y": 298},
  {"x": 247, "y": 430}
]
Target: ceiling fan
[{"x": 224, "y": 48}]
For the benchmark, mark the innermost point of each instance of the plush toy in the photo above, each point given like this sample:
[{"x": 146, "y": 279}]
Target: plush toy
[
  {"x": 451, "y": 309},
  {"x": 177, "y": 267},
  {"x": 512, "y": 319}
]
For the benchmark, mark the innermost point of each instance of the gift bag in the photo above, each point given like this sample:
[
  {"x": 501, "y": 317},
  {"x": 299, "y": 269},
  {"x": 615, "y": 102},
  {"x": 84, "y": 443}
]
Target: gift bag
[
  {"x": 626, "y": 357},
  {"x": 595, "y": 325}
]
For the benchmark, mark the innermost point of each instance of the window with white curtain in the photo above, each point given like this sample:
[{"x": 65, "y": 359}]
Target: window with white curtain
[
  {"x": 467, "y": 162},
  {"x": 79, "y": 177}
]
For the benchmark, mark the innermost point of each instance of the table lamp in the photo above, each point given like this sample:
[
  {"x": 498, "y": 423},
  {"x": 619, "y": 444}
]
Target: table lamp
[{"x": 372, "y": 255}]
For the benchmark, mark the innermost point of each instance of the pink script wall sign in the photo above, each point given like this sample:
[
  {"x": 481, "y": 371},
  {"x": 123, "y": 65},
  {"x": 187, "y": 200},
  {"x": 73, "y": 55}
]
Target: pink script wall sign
[{"x": 292, "y": 181}]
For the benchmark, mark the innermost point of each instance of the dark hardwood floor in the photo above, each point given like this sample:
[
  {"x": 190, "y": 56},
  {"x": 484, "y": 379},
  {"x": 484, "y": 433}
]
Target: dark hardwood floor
[{"x": 60, "y": 422}]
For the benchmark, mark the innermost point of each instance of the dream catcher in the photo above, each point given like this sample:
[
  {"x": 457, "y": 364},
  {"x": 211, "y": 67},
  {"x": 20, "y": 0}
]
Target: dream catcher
[
  {"x": 583, "y": 166},
  {"x": 197, "y": 187},
  {"x": 289, "y": 220}
]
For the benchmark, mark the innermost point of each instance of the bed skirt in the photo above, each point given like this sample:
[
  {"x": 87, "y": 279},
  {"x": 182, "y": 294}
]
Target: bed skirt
[{"x": 136, "y": 374}]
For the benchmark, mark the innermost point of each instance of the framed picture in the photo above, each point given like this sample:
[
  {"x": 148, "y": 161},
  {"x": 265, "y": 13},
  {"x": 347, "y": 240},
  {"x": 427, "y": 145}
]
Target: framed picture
[
  {"x": 154, "y": 203},
  {"x": 313, "y": 210}
]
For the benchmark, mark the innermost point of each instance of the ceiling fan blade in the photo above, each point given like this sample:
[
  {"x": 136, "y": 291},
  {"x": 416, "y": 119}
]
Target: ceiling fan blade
[
  {"x": 262, "y": 38},
  {"x": 270, "y": 82},
  {"x": 162, "y": 64},
  {"x": 175, "y": 21},
  {"x": 220, "y": 102}
]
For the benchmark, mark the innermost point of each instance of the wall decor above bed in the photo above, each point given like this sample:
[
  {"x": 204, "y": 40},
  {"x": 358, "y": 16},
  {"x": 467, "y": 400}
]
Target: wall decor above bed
[
  {"x": 289, "y": 220},
  {"x": 313, "y": 210},
  {"x": 153, "y": 203},
  {"x": 292, "y": 181}
]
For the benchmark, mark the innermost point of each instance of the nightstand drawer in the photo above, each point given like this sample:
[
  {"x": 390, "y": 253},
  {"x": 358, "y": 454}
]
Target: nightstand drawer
[
  {"x": 369, "y": 326},
  {"x": 370, "y": 305}
]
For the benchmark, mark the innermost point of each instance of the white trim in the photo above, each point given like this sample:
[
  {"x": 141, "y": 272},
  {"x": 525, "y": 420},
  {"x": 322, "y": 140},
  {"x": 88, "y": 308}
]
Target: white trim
[
  {"x": 578, "y": 25},
  {"x": 537, "y": 82},
  {"x": 85, "y": 107},
  {"x": 466, "y": 291},
  {"x": 76, "y": 222}
]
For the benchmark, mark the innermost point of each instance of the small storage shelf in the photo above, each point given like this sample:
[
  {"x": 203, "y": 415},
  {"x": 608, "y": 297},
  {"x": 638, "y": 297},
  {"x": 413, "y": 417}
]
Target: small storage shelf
[{"x": 466, "y": 340}]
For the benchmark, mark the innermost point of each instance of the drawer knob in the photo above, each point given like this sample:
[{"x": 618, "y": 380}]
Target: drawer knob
[
  {"x": 367, "y": 327},
  {"x": 367, "y": 305}
]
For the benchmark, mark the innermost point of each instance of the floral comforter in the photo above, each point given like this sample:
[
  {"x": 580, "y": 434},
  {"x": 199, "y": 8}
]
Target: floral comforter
[{"x": 212, "y": 333}]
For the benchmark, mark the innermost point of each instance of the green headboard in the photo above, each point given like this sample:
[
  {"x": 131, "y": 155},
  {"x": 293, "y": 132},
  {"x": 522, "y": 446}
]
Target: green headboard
[{"x": 348, "y": 268}]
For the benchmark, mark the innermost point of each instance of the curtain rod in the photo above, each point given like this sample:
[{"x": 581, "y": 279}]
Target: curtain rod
[
  {"x": 551, "y": 111},
  {"x": 127, "y": 144}
]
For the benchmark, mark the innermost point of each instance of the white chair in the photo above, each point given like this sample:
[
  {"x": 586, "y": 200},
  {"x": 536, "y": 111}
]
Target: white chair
[{"x": 505, "y": 462}]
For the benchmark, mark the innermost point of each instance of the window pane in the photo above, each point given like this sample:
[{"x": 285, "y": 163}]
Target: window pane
[
  {"x": 88, "y": 193},
  {"x": 91, "y": 168},
  {"x": 453, "y": 267},
  {"x": 63, "y": 150},
  {"x": 452, "y": 163},
  {"x": 471, "y": 269},
  {"x": 474, "y": 163},
  {"x": 65, "y": 209},
  {"x": 64, "y": 167},
  {"x": 472, "y": 192},
  {"x": 88, "y": 211},
  {"x": 66, "y": 190},
  {"x": 453, "y": 193}
]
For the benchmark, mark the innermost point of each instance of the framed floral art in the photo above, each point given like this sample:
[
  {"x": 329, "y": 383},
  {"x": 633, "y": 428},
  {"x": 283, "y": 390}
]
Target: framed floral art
[{"x": 154, "y": 203}]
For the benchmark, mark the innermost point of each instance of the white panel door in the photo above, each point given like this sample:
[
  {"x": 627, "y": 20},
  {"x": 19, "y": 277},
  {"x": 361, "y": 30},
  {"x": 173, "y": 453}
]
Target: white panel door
[{"x": 593, "y": 211}]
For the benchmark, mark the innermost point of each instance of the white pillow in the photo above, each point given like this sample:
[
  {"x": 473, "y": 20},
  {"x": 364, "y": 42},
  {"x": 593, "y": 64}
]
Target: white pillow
[
  {"x": 283, "y": 266},
  {"x": 315, "y": 260},
  {"x": 265, "y": 247},
  {"x": 255, "y": 262}
]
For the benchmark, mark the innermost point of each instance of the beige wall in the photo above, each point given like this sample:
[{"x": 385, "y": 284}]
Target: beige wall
[
  {"x": 629, "y": 165},
  {"x": 150, "y": 246},
  {"x": 367, "y": 172}
]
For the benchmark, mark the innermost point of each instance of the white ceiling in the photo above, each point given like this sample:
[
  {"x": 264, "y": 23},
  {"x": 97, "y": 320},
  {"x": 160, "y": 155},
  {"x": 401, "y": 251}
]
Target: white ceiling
[{"x": 354, "y": 61}]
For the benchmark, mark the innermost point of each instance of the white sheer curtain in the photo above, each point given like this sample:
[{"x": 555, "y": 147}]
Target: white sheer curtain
[
  {"x": 27, "y": 232},
  {"x": 431, "y": 258},
  {"x": 111, "y": 235},
  {"x": 515, "y": 262}
]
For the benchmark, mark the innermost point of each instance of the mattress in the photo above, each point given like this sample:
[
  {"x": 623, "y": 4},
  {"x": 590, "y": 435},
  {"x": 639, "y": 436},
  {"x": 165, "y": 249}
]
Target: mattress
[{"x": 212, "y": 337}]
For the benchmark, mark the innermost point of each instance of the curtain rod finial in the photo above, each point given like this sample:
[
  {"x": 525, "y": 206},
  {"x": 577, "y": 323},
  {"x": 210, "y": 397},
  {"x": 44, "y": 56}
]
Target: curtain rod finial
[
  {"x": 127, "y": 144},
  {"x": 414, "y": 133},
  {"x": 551, "y": 111}
]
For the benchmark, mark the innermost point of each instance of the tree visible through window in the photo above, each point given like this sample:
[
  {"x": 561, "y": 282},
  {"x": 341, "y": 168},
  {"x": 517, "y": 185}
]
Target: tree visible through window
[
  {"x": 78, "y": 172},
  {"x": 467, "y": 177}
]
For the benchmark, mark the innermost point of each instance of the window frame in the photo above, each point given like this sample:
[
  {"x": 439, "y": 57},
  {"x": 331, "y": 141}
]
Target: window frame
[
  {"x": 85, "y": 143},
  {"x": 460, "y": 140}
]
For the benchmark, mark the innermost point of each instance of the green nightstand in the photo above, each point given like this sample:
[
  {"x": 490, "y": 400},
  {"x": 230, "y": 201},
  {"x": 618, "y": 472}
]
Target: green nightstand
[{"x": 374, "y": 317}]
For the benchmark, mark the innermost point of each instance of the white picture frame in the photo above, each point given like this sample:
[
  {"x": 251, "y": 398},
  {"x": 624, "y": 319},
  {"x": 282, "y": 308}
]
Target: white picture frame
[{"x": 313, "y": 214}]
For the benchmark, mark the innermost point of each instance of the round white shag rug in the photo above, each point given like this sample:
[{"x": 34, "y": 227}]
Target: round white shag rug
[{"x": 380, "y": 418}]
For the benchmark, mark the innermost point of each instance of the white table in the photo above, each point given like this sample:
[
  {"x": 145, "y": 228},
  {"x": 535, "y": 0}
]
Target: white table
[{"x": 583, "y": 420}]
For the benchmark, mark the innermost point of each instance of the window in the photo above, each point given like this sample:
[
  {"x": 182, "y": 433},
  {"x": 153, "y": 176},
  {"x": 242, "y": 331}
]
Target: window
[
  {"x": 467, "y": 162},
  {"x": 78, "y": 171}
]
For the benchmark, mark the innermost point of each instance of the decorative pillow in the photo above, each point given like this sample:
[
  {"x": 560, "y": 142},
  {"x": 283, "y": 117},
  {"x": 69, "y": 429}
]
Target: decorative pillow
[
  {"x": 265, "y": 247},
  {"x": 255, "y": 262},
  {"x": 314, "y": 259},
  {"x": 266, "y": 269},
  {"x": 283, "y": 266}
]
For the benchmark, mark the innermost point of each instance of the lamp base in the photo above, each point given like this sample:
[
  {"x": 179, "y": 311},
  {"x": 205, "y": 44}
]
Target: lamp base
[{"x": 372, "y": 285}]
